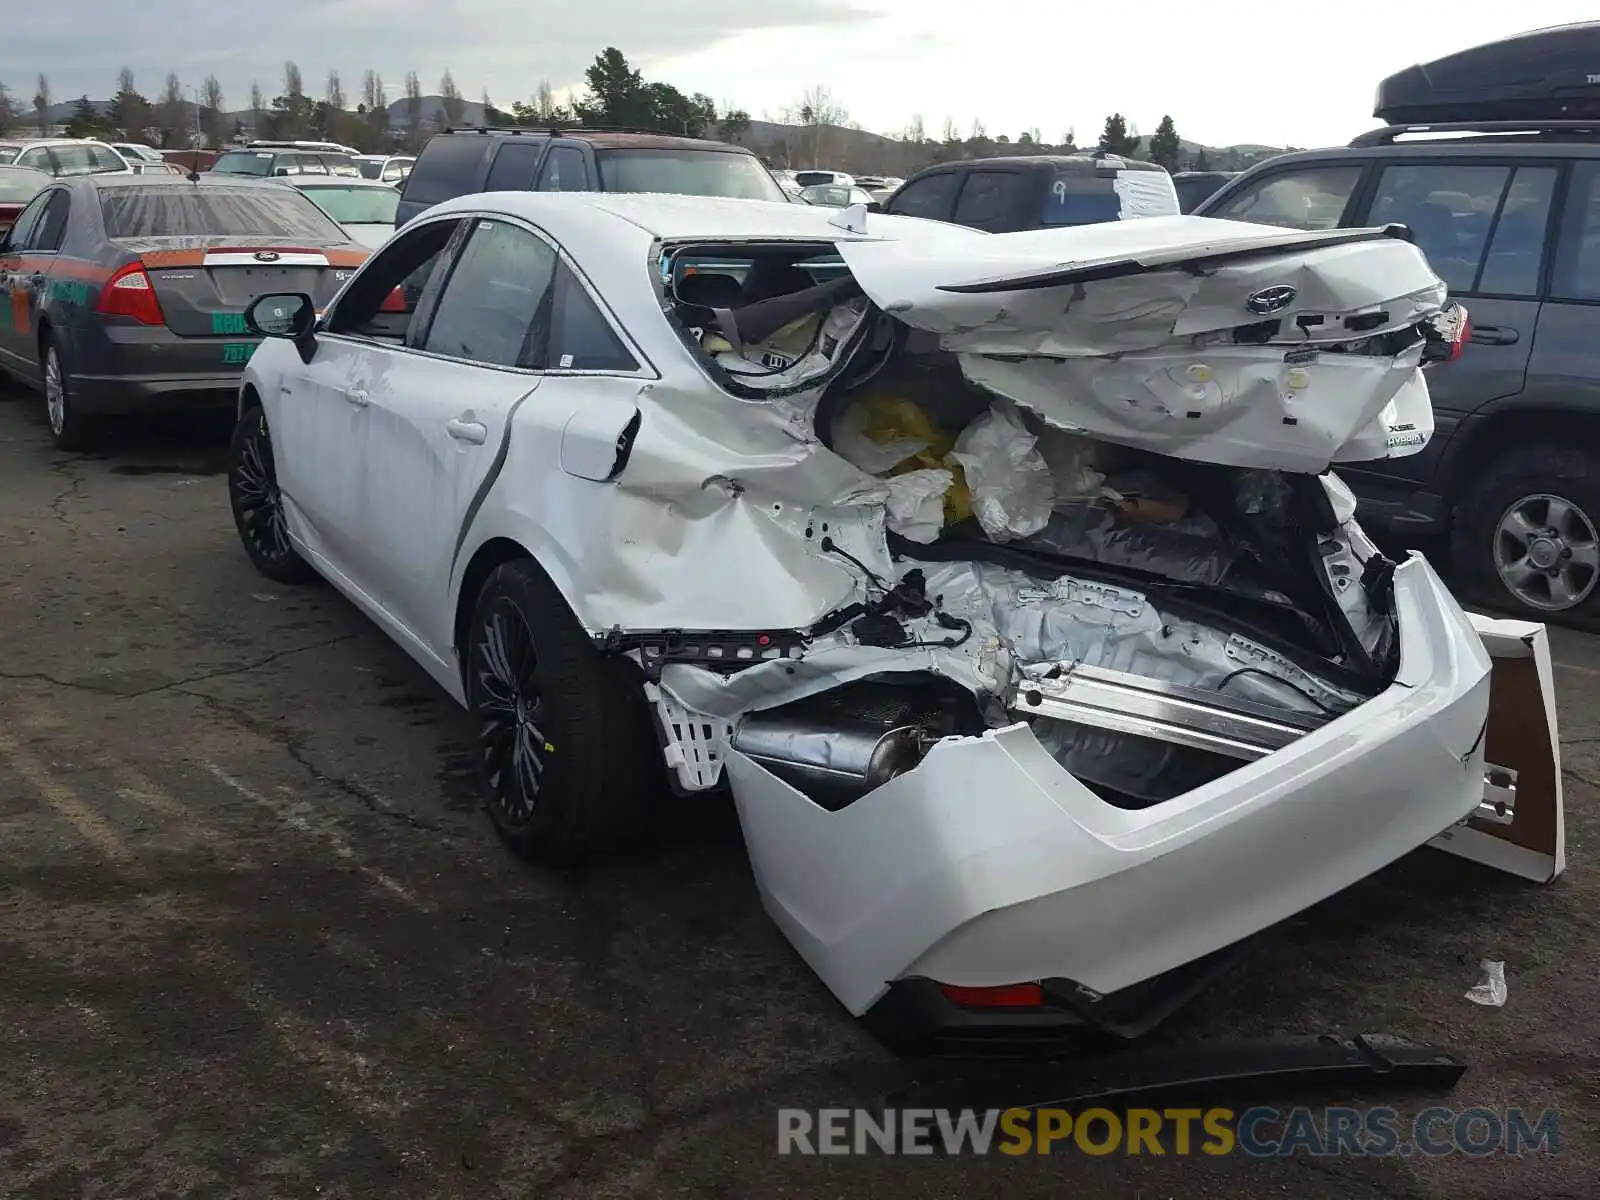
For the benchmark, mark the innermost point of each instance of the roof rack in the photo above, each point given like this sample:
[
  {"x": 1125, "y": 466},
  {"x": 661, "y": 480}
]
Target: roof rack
[
  {"x": 554, "y": 130},
  {"x": 1538, "y": 129}
]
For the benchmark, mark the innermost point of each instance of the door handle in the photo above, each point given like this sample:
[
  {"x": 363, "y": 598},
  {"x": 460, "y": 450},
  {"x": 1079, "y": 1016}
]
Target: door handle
[
  {"x": 1495, "y": 335},
  {"x": 462, "y": 430},
  {"x": 357, "y": 396}
]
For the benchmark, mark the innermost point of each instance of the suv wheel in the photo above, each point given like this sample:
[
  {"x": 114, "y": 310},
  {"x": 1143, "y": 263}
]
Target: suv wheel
[
  {"x": 1528, "y": 536},
  {"x": 568, "y": 759}
]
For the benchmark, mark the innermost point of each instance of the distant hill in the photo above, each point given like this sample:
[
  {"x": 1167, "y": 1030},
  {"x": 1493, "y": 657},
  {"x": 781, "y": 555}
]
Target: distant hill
[{"x": 846, "y": 149}]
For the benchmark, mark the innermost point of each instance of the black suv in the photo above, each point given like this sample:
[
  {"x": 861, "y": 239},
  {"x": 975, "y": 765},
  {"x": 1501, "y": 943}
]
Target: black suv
[
  {"x": 1492, "y": 160},
  {"x": 462, "y": 161},
  {"x": 1039, "y": 191}
]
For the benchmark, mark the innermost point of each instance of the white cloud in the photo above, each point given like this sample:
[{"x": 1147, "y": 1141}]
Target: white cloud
[{"x": 1276, "y": 74}]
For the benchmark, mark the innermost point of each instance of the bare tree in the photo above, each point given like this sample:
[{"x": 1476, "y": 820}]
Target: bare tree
[
  {"x": 172, "y": 120},
  {"x": 916, "y": 133},
  {"x": 293, "y": 108},
  {"x": 819, "y": 112},
  {"x": 450, "y": 99},
  {"x": 413, "y": 111},
  {"x": 8, "y": 112},
  {"x": 375, "y": 101},
  {"x": 951, "y": 133},
  {"x": 211, "y": 100},
  {"x": 544, "y": 100},
  {"x": 334, "y": 92},
  {"x": 41, "y": 104},
  {"x": 258, "y": 110}
]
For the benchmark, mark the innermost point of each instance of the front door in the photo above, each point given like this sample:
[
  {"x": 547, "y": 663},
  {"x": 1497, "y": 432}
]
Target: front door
[
  {"x": 438, "y": 413},
  {"x": 329, "y": 449}
]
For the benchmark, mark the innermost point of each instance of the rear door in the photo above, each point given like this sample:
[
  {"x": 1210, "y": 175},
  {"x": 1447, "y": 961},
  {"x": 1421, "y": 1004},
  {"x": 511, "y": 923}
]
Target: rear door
[
  {"x": 1482, "y": 223},
  {"x": 17, "y": 339},
  {"x": 993, "y": 200},
  {"x": 1561, "y": 370},
  {"x": 513, "y": 165},
  {"x": 932, "y": 196},
  {"x": 31, "y": 273}
]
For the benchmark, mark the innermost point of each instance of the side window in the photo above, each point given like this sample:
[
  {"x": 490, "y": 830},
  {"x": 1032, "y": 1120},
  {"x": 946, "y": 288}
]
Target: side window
[
  {"x": 495, "y": 308},
  {"x": 931, "y": 196},
  {"x": 1577, "y": 270},
  {"x": 38, "y": 158},
  {"x": 386, "y": 298},
  {"x": 1311, "y": 198},
  {"x": 1448, "y": 208},
  {"x": 286, "y": 164},
  {"x": 1516, "y": 248},
  {"x": 581, "y": 339},
  {"x": 27, "y": 220},
  {"x": 53, "y": 224},
  {"x": 564, "y": 171},
  {"x": 512, "y": 169},
  {"x": 311, "y": 164},
  {"x": 104, "y": 158},
  {"x": 989, "y": 199}
]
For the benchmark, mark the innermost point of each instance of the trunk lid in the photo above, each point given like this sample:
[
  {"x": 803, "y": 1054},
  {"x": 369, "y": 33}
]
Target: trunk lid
[
  {"x": 1218, "y": 341},
  {"x": 203, "y": 291}
]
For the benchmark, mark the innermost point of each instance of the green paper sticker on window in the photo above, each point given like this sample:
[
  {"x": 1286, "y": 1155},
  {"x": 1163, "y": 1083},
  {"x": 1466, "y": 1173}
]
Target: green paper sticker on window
[{"x": 226, "y": 323}]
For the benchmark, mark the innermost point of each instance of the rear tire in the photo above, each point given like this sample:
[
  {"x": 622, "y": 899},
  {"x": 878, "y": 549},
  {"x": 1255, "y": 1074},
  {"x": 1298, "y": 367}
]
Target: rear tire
[
  {"x": 69, "y": 428},
  {"x": 1525, "y": 537},
  {"x": 567, "y": 757},
  {"x": 258, "y": 505}
]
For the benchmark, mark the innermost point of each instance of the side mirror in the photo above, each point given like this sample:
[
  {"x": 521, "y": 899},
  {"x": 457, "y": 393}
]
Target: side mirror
[
  {"x": 875, "y": 207},
  {"x": 288, "y": 315},
  {"x": 281, "y": 171}
]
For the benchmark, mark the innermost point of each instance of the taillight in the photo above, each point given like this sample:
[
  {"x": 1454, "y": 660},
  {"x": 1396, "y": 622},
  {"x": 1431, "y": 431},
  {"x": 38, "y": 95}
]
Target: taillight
[
  {"x": 394, "y": 302},
  {"x": 1010, "y": 995},
  {"x": 1446, "y": 335},
  {"x": 129, "y": 293}
]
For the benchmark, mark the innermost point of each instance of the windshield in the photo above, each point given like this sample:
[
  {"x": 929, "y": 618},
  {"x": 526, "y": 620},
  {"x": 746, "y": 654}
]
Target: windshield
[
  {"x": 687, "y": 173},
  {"x": 371, "y": 168},
  {"x": 18, "y": 186},
  {"x": 813, "y": 178},
  {"x": 356, "y": 206},
  {"x": 244, "y": 162},
  {"x": 193, "y": 211},
  {"x": 8, "y": 153},
  {"x": 836, "y": 197}
]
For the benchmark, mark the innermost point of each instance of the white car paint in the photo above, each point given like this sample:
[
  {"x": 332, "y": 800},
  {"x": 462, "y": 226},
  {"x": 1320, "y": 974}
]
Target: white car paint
[{"x": 989, "y": 863}]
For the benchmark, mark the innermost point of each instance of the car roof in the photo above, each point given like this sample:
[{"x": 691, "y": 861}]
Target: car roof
[
  {"x": 342, "y": 181},
  {"x": 13, "y": 169},
  {"x": 610, "y": 139},
  {"x": 680, "y": 218},
  {"x": 30, "y": 143},
  {"x": 1451, "y": 147},
  {"x": 171, "y": 181}
]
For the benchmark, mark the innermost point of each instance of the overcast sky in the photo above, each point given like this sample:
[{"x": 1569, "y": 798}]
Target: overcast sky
[{"x": 1228, "y": 73}]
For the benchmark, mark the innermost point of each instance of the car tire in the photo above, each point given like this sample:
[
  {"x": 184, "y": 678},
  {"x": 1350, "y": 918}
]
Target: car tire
[
  {"x": 69, "y": 428},
  {"x": 257, "y": 504},
  {"x": 567, "y": 756},
  {"x": 1524, "y": 537}
]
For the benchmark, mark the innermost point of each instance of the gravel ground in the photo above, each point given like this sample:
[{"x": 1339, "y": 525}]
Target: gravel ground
[{"x": 257, "y": 940}]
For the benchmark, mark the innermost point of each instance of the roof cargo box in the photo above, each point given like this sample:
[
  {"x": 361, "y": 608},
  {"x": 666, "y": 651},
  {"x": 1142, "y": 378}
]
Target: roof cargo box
[{"x": 1548, "y": 74}]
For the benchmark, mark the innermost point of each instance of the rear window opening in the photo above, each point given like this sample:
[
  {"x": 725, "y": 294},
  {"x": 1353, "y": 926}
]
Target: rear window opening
[
  {"x": 190, "y": 210},
  {"x": 356, "y": 205},
  {"x": 725, "y": 173}
]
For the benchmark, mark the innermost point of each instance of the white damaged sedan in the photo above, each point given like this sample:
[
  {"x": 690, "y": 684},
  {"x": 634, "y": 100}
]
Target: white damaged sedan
[{"x": 1004, "y": 579}]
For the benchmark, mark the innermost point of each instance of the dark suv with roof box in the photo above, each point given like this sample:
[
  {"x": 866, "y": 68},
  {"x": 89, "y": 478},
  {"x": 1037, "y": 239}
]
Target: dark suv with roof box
[
  {"x": 463, "y": 161},
  {"x": 1492, "y": 159}
]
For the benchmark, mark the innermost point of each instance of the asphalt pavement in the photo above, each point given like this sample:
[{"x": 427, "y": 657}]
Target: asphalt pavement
[{"x": 256, "y": 939}]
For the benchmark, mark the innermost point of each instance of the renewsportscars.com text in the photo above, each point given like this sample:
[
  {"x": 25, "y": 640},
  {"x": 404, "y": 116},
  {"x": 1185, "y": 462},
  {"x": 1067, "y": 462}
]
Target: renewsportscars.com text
[{"x": 1259, "y": 1132}]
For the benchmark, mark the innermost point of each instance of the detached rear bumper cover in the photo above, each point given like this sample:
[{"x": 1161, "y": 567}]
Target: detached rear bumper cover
[{"x": 989, "y": 864}]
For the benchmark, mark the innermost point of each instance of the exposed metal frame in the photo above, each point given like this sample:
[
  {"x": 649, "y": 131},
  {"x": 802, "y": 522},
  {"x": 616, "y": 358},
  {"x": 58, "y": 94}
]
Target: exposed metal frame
[{"x": 1169, "y": 712}]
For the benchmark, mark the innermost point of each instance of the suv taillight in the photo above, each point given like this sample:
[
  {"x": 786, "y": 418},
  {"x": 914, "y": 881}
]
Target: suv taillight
[
  {"x": 1446, "y": 334},
  {"x": 129, "y": 293}
]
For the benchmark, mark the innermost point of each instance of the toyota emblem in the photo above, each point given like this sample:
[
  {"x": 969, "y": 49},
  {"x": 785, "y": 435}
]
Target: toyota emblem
[
  {"x": 1270, "y": 300},
  {"x": 272, "y": 256}
]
